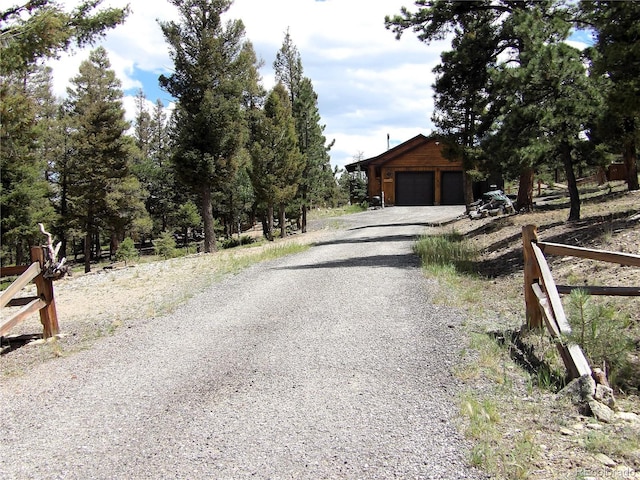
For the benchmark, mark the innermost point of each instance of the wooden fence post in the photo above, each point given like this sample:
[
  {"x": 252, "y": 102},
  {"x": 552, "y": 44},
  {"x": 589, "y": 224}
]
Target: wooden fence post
[
  {"x": 531, "y": 275},
  {"x": 48, "y": 315}
]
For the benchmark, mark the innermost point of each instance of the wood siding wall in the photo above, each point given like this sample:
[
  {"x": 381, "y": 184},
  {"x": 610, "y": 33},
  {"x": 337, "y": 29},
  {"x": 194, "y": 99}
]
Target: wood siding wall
[{"x": 424, "y": 158}]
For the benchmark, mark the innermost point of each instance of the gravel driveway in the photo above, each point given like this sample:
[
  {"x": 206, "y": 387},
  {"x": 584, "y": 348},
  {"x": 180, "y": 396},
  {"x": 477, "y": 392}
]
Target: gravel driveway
[{"x": 332, "y": 363}]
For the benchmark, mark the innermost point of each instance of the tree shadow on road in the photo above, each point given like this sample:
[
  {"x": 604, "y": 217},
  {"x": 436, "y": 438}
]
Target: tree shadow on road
[
  {"x": 376, "y": 239},
  {"x": 407, "y": 261},
  {"x": 408, "y": 224}
]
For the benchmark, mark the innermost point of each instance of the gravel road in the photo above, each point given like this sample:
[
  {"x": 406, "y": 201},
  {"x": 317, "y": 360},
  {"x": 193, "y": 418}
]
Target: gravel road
[{"x": 331, "y": 363}]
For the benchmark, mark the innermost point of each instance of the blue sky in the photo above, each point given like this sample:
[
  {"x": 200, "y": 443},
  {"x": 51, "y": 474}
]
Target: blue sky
[{"x": 368, "y": 83}]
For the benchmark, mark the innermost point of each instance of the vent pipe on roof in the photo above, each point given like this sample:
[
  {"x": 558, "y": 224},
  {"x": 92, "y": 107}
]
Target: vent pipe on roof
[{"x": 387, "y": 141}]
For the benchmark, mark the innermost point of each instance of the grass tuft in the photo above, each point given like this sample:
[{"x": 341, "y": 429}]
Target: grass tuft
[{"x": 449, "y": 250}]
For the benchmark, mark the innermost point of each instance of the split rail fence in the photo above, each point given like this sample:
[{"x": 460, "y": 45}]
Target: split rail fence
[
  {"x": 542, "y": 295},
  {"x": 44, "y": 302}
]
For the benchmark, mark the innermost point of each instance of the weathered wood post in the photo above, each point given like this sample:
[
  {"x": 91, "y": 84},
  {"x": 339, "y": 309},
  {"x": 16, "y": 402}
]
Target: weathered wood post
[
  {"x": 48, "y": 315},
  {"x": 531, "y": 275}
]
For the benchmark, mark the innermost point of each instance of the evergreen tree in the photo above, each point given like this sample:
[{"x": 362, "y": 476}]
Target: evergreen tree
[
  {"x": 31, "y": 32},
  {"x": 343, "y": 187},
  {"x": 462, "y": 92},
  {"x": 288, "y": 68},
  {"x": 51, "y": 141},
  {"x": 317, "y": 175},
  {"x": 516, "y": 93},
  {"x": 187, "y": 217},
  {"x": 236, "y": 200},
  {"x": 103, "y": 194},
  {"x": 126, "y": 213},
  {"x": 40, "y": 29},
  {"x": 142, "y": 130},
  {"x": 563, "y": 103},
  {"x": 24, "y": 193},
  {"x": 522, "y": 30},
  {"x": 214, "y": 68},
  {"x": 615, "y": 58},
  {"x": 152, "y": 166},
  {"x": 277, "y": 164}
]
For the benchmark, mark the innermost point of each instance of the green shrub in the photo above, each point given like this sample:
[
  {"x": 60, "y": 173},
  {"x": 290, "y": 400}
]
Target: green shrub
[
  {"x": 165, "y": 246},
  {"x": 603, "y": 333},
  {"x": 127, "y": 251},
  {"x": 236, "y": 242}
]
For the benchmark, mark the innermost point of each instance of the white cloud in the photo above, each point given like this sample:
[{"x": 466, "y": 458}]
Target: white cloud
[
  {"x": 368, "y": 83},
  {"x": 578, "y": 45}
]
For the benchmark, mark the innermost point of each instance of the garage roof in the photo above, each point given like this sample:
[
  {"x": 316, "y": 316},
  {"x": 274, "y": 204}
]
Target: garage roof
[{"x": 392, "y": 153}]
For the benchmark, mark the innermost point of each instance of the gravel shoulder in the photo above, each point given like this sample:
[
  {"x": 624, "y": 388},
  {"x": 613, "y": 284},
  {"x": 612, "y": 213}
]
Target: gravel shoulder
[{"x": 332, "y": 363}]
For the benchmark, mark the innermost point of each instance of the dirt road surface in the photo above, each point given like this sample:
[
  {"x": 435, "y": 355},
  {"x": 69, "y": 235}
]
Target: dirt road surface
[{"x": 332, "y": 363}]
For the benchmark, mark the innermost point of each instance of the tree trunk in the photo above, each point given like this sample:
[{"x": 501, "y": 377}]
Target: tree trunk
[
  {"x": 207, "y": 216},
  {"x": 87, "y": 251},
  {"x": 282, "y": 219},
  {"x": 20, "y": 260},
  {"x": 96, "y": 243},
  {"x": 574, "y": 195},
  {"x": 265, "y": 226},
  {"x": 270, "y": 222},
  {"x": 525, "y": 190},
  {"x": 64, "y": 209},
  {"x": 114, "y": 245},
  {"x": 631, "y": 163},
  {"x": 304, "y": 211},
  {"x": 467, "y": 186}
]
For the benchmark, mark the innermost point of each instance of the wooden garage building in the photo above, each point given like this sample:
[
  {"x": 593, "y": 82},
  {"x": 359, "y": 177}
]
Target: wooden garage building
[{"x": 414, "y": 173}]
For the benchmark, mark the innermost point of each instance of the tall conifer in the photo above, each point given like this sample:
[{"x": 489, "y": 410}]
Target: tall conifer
[
  {"x": 24, "y": 193},
  {"x": 277, "y": 164},
  {"x": 101, "y": 154},
  {"x": 214, "y": 68},
  {"x": 317, "y": 174},
  {"x": 616, "y": 59}
]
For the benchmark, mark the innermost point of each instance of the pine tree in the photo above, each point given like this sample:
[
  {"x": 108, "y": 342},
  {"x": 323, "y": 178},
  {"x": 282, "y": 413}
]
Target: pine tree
[
  {"x": 288, "y": 68},
  {"x": 52, "y": 146},
  {"x": 462, "y": 92},
  {"x": 277, "y": 164},
  {"x": 151, "y": 165},
  {"x": 40, "y": 29},
  {"x": 522, "y": 30},
  {"x": 615, "y": 58},
  {"x": 103, "y": 195},
  {"x": 214, "y": 69},
  {"x": 29, "y": 33},
  {"x": 24, "y": 192},
  {"x": 567, "y": 103},
  {"x": 516, "y": 109},
  {"x": 317, "y": 175}
]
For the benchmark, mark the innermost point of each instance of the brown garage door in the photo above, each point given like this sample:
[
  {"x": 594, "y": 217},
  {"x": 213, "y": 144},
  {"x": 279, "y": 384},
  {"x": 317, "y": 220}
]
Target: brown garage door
[
  {"x": 414, "y": 188},
  {"x": 452, "y": 190}
]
